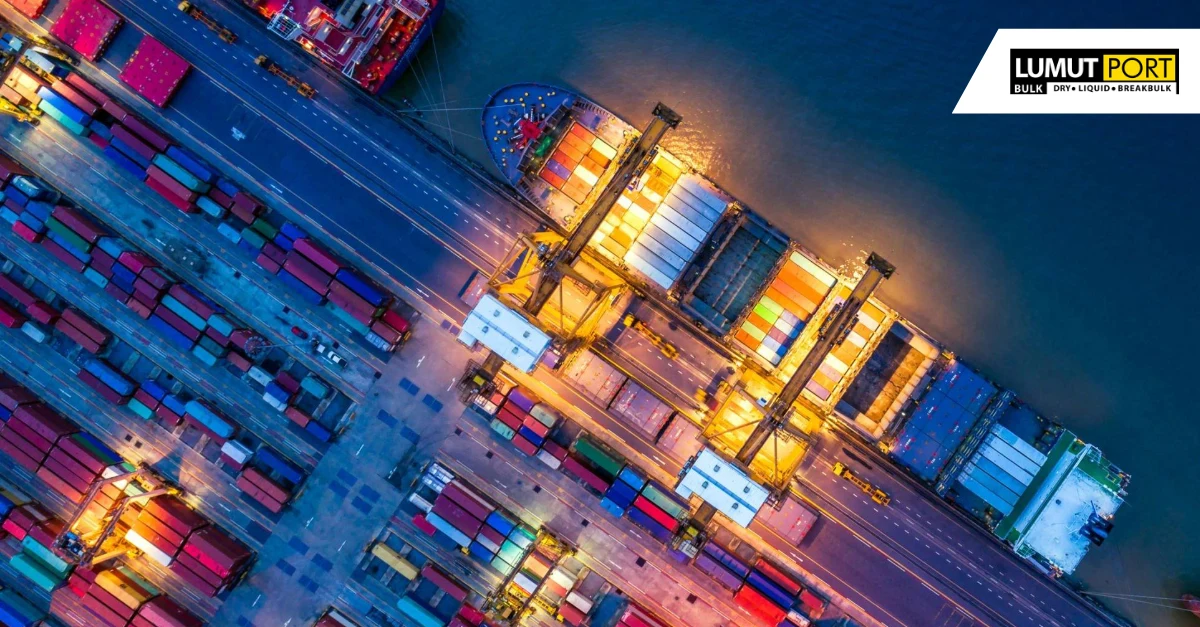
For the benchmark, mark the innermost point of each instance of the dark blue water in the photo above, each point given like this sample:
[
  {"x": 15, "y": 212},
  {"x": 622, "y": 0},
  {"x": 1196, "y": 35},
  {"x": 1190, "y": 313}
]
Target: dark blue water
[{"x": 1056, "y": 253}]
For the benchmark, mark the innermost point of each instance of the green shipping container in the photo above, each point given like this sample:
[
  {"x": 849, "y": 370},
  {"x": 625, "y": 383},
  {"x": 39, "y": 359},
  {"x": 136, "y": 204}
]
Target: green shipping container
[
  {"x": 66, "y": 233},
  {"x": 668, "y": 505},
  {"x": 419, "y": 615},
  {"x": 58, "y": 116},
  {"x": 52, "y": 562},
  {"x": 253, "y": 238},
  {"x": 210, "y": 207},
  {"x": 33, "y": 570},
  {"x": 220, "y": 324},
  {"x": 591, "y": 452},
  {"x": 265, "y": 228},
  {"x": 522, "y": 536},
  {"x": 504, "y": 567},
  {"x": 140, "y": 409},
  {"x": 95, "y": 277},
  {"x": 504, "y": 430},
  {"x": 314, "y": 386},
  {"x": 177, "y": 172},
  {"x": 208, "y": 358},
  {"x": 510, "y": 552},
  {"x": 22, "y": 606},
  {"x": 108, "y": 457},
  {"x": 182, "y": 311}
]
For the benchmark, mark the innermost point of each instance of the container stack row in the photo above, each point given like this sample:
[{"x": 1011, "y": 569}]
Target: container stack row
[
  {"x": 193, "y": 186},
  {"x": 271, "y": 481},
  {"x": 154, "y": 71},
  {"x": 467, "y": 520},
  {"x": 434, "y": 598},
  {"x": 17, "y": 611},
  {"x": 87, "y": 26},
  {"x": 527, "y": 423},
  {"x": 533, "y": 573},
  {"x": 577, "y": 163},
  {"x": 37, "y": 530},
  {"x": 31, "y": 9}
]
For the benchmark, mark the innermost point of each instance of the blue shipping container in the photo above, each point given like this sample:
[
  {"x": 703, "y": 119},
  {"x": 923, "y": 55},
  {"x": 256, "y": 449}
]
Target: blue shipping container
[
  {"x": 229, "y": 232},
  {"x": 621, "y": 494},
  {"x": 64, "y": 106},
  {"x": 305, "y": 292},
  {"x": 360, "y": 286},
  {"x": 727, "y": 559},
  {"x": 192, "y": 164},
  {"x": 113, "y": 246},
  {"x": 32, "y": 222},
  {"x": 41, "y": 210},
  {"x": 639, "y": 518},
  {"x": 770, "y": 589},
  {"x": 100, "y": 129},
  {"x": 67, "y": 246},
  {"x": 210, "y": 419},
  {"x": 612, "y": 508},
  {"x": 16, "y": 195},
  {"x": 227, "y": 186},
  {"x": 8, "y": 215},
  {"x": 5, "y": 413},
  {"x": 33, "y": 187},
  {"x": 481, "y": 553},
  {"x": 171, "y": 333},
  {"x": 125, "y": 162},
  {"x": 113, "y": 379},
  {"x": 276, "y": 463},
  {"x": 126, "y": 274},
  {"x": 714, "y": 569},
  {"x": 175, "y": 404},
  {"x": 318, "y": 431},
  {"x": 292, "y": 232},
  {"x": 5, "y": 506},
  {"x": 277, "y": 392},
  {"x": 528, "y": 434},
  {"x": 283, "y": 242},
  {"x": 129, "y": 152},
  {"x": 497, "y": 521},
  {"x": 156, "y": 391}
]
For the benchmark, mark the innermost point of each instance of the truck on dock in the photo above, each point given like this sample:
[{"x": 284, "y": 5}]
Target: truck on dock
[
  {"x": 302, "y": 88},
  {"x": 199, "y": 15},
  {"x": 876, "y": 494}
]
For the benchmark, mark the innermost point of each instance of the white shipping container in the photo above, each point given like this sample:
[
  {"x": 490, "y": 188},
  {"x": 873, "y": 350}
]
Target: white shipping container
[
  {"x": 546, "y": 458},
  {"x": 150, "y": 550},
  {"x": 581, "y": 602},
  {"x": 259, "y": 375},
  {"x": 236, "y": 451},
  {"x": 34, "y": 332},
  {"x": 596, "y": 377}
]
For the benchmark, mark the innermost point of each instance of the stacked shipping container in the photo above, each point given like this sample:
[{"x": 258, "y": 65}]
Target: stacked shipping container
[
  {"x": 87, "y": 26},
  {"x": 789, "y": 301},
  {"x": 154, "y": 71},
  {"x": 527, "y": 424},
  {"x": 577, "y": 163}
]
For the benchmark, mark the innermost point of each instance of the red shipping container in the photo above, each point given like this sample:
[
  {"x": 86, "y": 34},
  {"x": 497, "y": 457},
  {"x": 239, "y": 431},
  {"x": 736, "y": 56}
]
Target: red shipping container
[
  {"x": 87, "y": 89},
  {"x": 197, "y": 306},
  {"x": 308, "y": 273},
  {"x": 42, "y": 312},
  {"x": 555, "y": 450},
  {"x": 156, "y": 277},
  {"x": 193, "y": 579},
  {"x": 200, "y": 570},
  {"x": 96, "y": 139},
  {"x": 17, "y": 291},
  {"x": 44, "y": 421},
  {"x": 86, "y": 326},
  {"x": 168, "y": 417},
  {"x": 223, "y": 340},
  {"x": 267, "y": 263},
  {"x": 295, "y": 415},
  {"x": 571, "y": 615},
  {"x": 471, "y": 615},
  {"x": 395, "y": 320},
  {"x": 189, "y": 331},
  {"x": 115, "y": 109},
  {"x": 248, "y": 204},
  {"x": 573, "y": 467},
  {"x": 14, "y": 396},
  {"x": 457, "y": 516},
  {"x": 161, "y": 611},
  {"x": 159, "y": 541},
  {"x": 213, "y": 547},
  {"x": 78, "y": 222},
  {"x": 274, "y": 252},
  {"x": 62, "y": 255},
  {"x": 101, "y": 612},
  {"x": 492, "y": 534},
  {"x": 77, "y": 585},
  {"x": 286, "y": 381},
  {"x": 439, "y": 579},
  {"x": 10, "y": 168},
  {"x": 10, "y": 317},
  {"x": 19, "y": 454},
  {"x": 422, "y": 524},
  {"x": 31, "y": 9},
  {"x": 533, "y": 425},
  {"x": 144, "y": 287},
  {"x": 134, "y": 142},
  {"x": 161, "y": 529},
  {"x": 354, "y": 304},
  {"x": 220, "y": 197},
  {"x": 523, "y": 445},
  {"x": 103, "y": 390},
  {"x": 175, "y": 514},
  {"x": 65, "y": 90},
  {"x": 759, "y": 606},
  {"x": 72, "y": 465},
  {"x": 83, "y": 456},
  {"x": 240, "y": 337},
  {"x": 509, "y": 415},
  {"x": 102, "y": 262},
  {"x": 323, "y": 259},
  {"x": 71, "y": 473},
  {"x": 239, "y": 361},
  {"x": 30, "y": 438},
  {"x": 117, "y": 294},
  {"x": 13, "y": 206},
  {"x": 182, "y": 203},
  {"x": 465, "y": 498},
  {"x": 24, "y": 232},
  {"x": 272, "y": 505},
  {"x": 77, "y": 336},
  {"x": 266, "y": 484},
  {"x": 139, "y": 308},
  {"x": 147, "y": 133},
  {"x": 59, "y": 485},
  {"x": 111, "y": 602},
  {"x": 385, "y": 331},
  {"x": 655, "y": 512}
]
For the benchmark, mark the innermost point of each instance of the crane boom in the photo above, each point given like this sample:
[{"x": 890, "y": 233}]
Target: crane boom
[
  {"x": 832, "y": 333},
  {"x": 634, "y": 162}
]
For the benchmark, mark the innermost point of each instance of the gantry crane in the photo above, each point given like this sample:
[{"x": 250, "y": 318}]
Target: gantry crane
[
  {"x": 832, "y": 332},
  {"x": 556, "y": 258},
  {"x": 86, "y": 548}
]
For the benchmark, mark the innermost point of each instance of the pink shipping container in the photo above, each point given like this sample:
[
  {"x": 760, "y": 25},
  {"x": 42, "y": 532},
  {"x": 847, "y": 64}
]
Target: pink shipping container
[
  {"x": 86, "y": 326},
  {"x": 322, "y": 259},
  {"x": 176, "y": 188},
  {"x": 214, "y": 548},
  {"x": 134, "y": 142},
  {"x": 354, "y": 304},
  {"x": 14, "y": 396},
  {"x": 439, "y": 579},
  {"x": 475, "y": 505},
  {"x": 12, "y": 288},
  {"x": 44, "y": 421},
  {"x": 42, "y": 312},
  {"x": 87, "y": 89},
  {"x": 197, "y": 306},
  {"x": 10, "y": 317},
  {"x": 60, "y": 253},
  {"x": 457, "y": 516},
  {"x": 308, "y": 273},
  {"x": 163, "y": 612},
  {"x": 175, "y": 514}
]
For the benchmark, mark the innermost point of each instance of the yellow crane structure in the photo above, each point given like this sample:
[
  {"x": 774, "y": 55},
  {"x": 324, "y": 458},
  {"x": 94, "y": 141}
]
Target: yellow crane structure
[
  {"x": 549, "y": 257},
  {"x": 86, "y": 540}
]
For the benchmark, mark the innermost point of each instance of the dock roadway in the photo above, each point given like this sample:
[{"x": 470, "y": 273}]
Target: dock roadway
[{"x": 399, "y": 204}]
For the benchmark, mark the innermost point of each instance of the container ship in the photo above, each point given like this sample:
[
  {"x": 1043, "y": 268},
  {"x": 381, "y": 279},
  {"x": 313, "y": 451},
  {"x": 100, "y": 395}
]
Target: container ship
[
  {"x": 372, "y": 42},
  {"x": 766, "y": 297}
]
